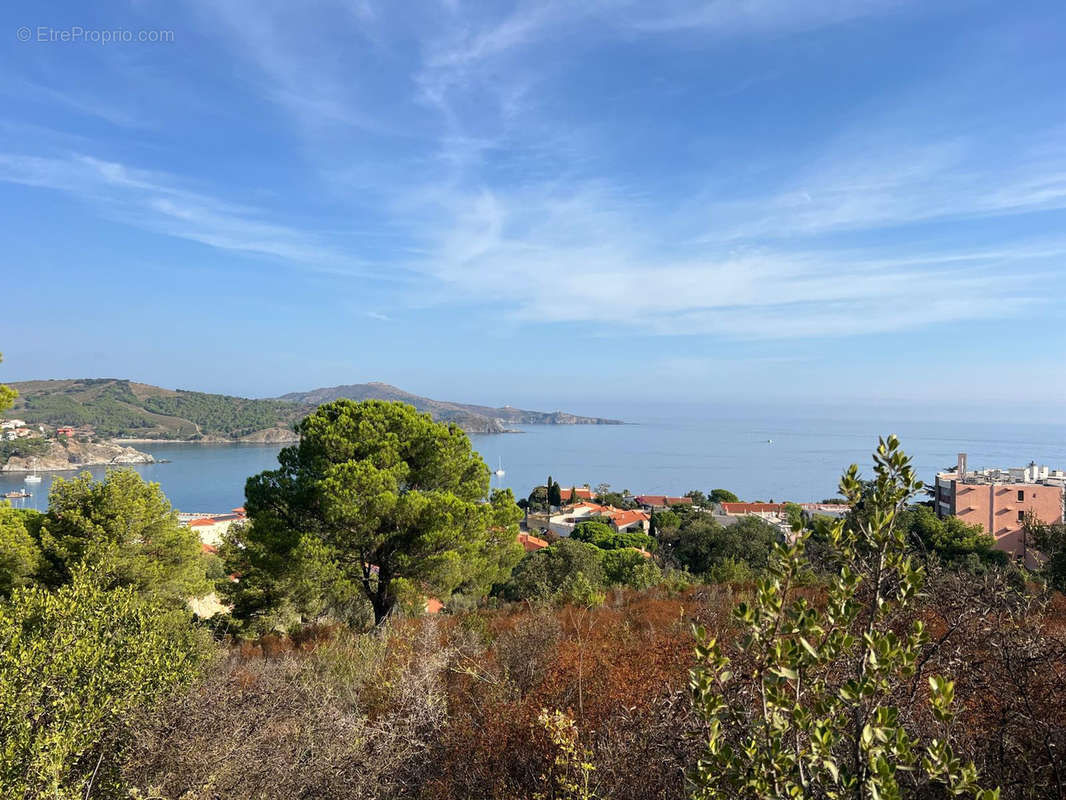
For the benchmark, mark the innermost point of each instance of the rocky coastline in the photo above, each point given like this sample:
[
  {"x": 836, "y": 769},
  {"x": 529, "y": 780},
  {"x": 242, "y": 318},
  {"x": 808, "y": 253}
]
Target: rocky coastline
[
  {"x": 265, "y": 436},
  {"x": 71, "y": 455}
]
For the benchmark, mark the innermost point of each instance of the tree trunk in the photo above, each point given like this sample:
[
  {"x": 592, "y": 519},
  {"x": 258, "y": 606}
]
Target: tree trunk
[{"x": 383, "y": 604}]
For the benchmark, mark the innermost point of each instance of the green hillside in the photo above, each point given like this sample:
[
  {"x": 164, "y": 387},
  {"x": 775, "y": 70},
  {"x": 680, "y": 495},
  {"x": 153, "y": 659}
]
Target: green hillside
[
  {"x": 116, "y": 408},
  {"x": 120, "y": 408}
]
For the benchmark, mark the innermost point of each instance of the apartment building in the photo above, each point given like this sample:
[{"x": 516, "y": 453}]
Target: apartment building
[{"x": 999, "y": 500}]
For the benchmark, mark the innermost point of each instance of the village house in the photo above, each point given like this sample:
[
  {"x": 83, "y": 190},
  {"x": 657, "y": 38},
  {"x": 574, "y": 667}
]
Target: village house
[
  {"x": 531, "y": 543},
  {"x": 563, "y": 523},
  {"x": 625, "y": 521},
  {"x": 767, "y": 511},
  {"x": 211, "y": 527},
  {"x": 582, "y": 492},
  {"x": 658, "y": 502}
]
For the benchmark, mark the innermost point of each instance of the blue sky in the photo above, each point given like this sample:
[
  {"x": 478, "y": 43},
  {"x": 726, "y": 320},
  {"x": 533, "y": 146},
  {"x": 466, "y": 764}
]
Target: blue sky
[{"x": 547, "y": 203}]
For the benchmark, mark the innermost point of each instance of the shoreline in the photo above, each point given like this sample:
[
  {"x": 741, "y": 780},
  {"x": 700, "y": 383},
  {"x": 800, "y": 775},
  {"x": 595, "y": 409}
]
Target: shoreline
[
  {"x": 294, "y": 440},
  {"x": 124, "y": 440}
]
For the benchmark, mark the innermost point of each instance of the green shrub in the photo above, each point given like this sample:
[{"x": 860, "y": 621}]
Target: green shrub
[
  {"x": 73, "y": 663},
  {"x": 806, "y": 707}
]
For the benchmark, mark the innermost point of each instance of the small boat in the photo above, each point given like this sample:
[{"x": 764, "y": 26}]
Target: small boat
[
  {"x": 499, "y": 471},
  {"x": 34, "y": 478},
  {"x": 769, "y": 441},
  {"x": 18, "y": 494}
]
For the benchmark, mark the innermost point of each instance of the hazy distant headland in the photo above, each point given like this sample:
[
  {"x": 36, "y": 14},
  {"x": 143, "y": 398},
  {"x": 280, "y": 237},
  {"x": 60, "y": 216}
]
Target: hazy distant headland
[{"x": 108, "y": 408}]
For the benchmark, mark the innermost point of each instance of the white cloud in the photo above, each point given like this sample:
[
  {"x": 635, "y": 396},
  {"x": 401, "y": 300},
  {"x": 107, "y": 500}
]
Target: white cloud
[
  {"x": 584, "y": 258},
  {"x": 875, "y": 185},
  {"x": 496, "y": 202},
  {"x": 755, "y": 16},
  {"x": 155, "y": 201}
]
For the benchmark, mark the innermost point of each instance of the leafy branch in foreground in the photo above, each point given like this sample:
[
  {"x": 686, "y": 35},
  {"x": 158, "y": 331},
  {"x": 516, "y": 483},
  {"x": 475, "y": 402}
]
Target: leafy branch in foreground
[{"x": 807, "y": 708}]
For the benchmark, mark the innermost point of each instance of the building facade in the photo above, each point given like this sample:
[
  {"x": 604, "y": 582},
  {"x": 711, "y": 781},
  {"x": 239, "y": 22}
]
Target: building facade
[{"x": 999, "y": 499}]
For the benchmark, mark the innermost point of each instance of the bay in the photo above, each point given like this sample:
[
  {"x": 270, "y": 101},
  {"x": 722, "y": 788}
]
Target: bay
[{"x": 759, "y": 457}]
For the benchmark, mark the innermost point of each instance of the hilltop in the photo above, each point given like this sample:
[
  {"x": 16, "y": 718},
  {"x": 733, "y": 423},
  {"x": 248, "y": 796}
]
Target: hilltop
[
  {"x": 115, "y": 408},
  {"x": 473, "y": 418}
]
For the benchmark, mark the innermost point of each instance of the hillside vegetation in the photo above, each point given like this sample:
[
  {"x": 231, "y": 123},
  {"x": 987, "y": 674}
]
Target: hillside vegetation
[
  {"x": 122, "y": 408},
  {"x": 471, "y": 418}
]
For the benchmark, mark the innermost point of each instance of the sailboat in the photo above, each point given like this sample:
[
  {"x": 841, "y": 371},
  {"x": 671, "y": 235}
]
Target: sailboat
[
  {"x": 499, "y": 470},
  {"x": 34, "y": 478}
]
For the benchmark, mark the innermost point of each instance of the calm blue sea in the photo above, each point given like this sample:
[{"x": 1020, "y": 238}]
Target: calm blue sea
[{"x": 802, "y": 463}]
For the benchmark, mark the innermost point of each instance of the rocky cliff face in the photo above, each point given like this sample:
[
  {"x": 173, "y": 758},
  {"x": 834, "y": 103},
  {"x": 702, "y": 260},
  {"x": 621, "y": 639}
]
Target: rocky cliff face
[
  {"x": 272, "y": 436},
  {"x": 71, "y": 455}
]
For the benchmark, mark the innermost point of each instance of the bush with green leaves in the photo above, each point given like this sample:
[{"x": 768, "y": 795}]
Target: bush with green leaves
[
  {"x": 955, "y": 541},
  {"x": 603, "y": 536},
  {"x": 701, "y": 542},
  {"x": 1050, "y": 542},
  {"x": 630, "y": 568},
  {"x": 7, "y": 394},
  {"x": 568, "y": 569},
  {"x": 126, "y": 525},
  {"x": 805, "y": 708},
  {"x": 73, "y": 663},
  {"x": 19, "y": 554},
  {"x": 666, "y": 520}
]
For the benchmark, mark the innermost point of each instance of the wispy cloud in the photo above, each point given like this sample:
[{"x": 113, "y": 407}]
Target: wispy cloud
[
  {"x": 156, "y": 202},
  {"x": 490, "y": 194},
  {"x": 755, "y": 16},
  {"x": 880, "y": 186},
  {"x": 582, "y": 258}
]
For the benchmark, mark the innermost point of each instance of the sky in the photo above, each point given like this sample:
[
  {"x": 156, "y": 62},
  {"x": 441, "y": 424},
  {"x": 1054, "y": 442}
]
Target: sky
[{"x": 549, "y": 204}]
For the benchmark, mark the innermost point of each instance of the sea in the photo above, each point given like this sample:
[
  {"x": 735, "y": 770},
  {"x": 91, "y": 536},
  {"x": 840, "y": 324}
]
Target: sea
[{"x": 758, "y": 457}]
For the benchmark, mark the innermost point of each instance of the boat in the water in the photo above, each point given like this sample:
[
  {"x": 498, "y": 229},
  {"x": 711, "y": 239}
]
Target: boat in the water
[
  {"x": 34, "y": 478},
  {"x": 18, "y": 494}
]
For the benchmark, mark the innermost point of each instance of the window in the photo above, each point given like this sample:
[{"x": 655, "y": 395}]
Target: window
[
  {"x": 1021, "y": 495},
  {"x": 1021, "y": 515}
]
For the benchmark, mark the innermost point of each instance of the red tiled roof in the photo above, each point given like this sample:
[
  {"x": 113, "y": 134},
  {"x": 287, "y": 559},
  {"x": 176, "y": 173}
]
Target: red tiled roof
[
  {"x": 239, "y": 510},
  {"x": 531, "y": 543},
  {"x": 208, "y": 548},
  {"x": 592, "y": 507},
  {"x": 662, "y": 500},
  {"x": 752, "y": 508},
  {"x": 623, "y": 518},
  {"x": 201, "y": 521},
  {"x": 582, "y": 494},
  {"x": 433, "y": 605}
]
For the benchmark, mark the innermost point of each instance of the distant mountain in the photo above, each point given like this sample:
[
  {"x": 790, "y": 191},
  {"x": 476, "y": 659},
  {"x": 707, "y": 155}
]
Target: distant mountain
[
  {"x": 472, "y": 418},
  {"x": 116, "y": 408}
]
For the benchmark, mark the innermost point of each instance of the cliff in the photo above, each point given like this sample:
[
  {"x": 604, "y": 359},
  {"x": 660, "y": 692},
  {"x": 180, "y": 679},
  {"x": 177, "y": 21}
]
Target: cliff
[
  {"x": 72, "y": 455},
  {"x": 272, "y": 436}
]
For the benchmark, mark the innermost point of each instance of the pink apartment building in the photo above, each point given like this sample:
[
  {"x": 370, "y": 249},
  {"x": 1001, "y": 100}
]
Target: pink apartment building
[{"x": 999, "y": 499}]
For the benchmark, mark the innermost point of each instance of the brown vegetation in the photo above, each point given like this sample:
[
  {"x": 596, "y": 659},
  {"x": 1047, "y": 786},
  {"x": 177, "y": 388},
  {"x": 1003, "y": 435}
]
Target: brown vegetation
[{"x": 449, "y": 708}]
